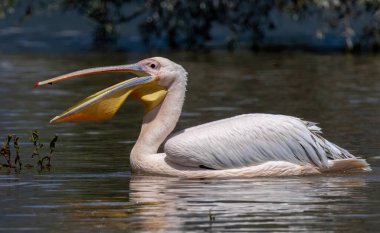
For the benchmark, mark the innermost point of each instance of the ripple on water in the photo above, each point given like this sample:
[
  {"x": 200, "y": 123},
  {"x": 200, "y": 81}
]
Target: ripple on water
[
  {"x": 218, "y": 109},
  {"x": 84, "y": 192}
]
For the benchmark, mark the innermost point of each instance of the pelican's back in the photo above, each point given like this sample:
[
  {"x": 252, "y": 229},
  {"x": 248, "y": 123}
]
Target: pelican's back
[{"x": 252, "y": 139}]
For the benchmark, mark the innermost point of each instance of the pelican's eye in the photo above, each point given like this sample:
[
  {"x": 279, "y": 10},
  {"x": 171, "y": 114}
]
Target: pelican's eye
[{"x": 153, "y": 65}]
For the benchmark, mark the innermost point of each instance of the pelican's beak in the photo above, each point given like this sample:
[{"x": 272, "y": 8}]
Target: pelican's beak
[
  {"x": 133, "y": 68},
  {"x": 104, "y": 104}
]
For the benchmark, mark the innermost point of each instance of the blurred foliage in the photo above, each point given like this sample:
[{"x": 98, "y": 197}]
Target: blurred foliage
[
  {"x": 107, "y": 14},
  {"x": 190, "y": 24},
  {"x": 6, "y": 7}
]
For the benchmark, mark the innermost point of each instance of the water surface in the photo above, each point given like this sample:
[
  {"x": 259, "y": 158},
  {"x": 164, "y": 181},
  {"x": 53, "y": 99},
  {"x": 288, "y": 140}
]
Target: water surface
[{"x": 90, "y": 187}]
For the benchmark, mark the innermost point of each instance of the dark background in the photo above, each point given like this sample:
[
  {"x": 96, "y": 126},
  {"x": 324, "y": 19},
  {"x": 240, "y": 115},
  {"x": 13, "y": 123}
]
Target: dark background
[{"x": 131, "y": 25}]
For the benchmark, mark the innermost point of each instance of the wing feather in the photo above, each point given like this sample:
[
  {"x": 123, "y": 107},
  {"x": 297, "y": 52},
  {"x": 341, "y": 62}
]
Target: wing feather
[{"x": 252, "y": 139}]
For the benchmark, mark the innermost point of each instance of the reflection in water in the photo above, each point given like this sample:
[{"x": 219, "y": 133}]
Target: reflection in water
[
  {"x": 166, "y": 204},
  {"x": 170, "y": 203}
]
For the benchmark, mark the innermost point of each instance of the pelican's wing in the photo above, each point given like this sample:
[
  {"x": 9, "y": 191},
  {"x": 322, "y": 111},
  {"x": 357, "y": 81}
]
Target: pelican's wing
[{"x": 252, "y": 139}]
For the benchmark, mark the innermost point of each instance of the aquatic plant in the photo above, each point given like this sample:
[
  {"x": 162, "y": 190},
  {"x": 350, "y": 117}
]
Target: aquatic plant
[
  {"x": 16, "y": 146},
  {"x": 37, "y": 146},
  {"x": 5, "y": 151},
  {"x": 52, "y": 149}
]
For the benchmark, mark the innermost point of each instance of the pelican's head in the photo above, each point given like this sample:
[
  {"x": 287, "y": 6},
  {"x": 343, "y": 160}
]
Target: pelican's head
[
  {"x": 165, "y": 71},
  {"x": 155, "y": 76}
]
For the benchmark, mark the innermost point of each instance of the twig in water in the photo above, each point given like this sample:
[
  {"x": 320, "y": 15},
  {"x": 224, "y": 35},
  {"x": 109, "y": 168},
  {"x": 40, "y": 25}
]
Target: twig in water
[
  {"x": 37, "y": 146},
  {"x": 52, "y": 149},
  {"x": 17, "y": 149}
]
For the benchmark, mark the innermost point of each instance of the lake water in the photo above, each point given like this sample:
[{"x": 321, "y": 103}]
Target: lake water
[{"x": 90, "y": 187}]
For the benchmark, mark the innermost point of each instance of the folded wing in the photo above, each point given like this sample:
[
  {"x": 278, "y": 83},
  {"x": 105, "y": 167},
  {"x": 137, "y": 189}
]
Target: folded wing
[{"x": 252, "y": 139}]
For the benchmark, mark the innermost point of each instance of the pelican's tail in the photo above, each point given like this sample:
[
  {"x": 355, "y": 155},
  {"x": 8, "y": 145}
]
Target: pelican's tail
[{"x": 350, "y": 165}]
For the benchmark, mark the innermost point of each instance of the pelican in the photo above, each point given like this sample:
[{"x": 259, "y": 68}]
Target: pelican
[{"x": 247, "y": 145}]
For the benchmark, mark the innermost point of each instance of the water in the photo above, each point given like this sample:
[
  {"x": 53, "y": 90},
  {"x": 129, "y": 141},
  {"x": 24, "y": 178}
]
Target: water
[{"x": 90, "y": 187}]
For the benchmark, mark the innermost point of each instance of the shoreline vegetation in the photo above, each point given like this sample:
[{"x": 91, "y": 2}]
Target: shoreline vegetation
[{"x": 275, "y": 25}]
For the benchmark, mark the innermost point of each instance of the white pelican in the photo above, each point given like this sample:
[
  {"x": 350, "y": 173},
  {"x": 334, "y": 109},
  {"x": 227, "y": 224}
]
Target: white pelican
[{"x": 242, "y": 146}]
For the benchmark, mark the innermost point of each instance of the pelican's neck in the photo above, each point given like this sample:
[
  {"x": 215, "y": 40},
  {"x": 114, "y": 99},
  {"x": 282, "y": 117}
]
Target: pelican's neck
[{"x": 159, "y": 123}]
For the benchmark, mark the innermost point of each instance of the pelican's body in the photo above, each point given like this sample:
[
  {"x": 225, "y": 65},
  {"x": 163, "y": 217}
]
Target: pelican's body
[{"x": 242, "y": 146}]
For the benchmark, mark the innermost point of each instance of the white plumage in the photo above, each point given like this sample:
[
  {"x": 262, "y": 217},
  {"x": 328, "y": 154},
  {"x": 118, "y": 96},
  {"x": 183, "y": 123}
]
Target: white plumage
[
  {"x": 242, "y": 146},
  {"x": 252, "y": 139}
]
